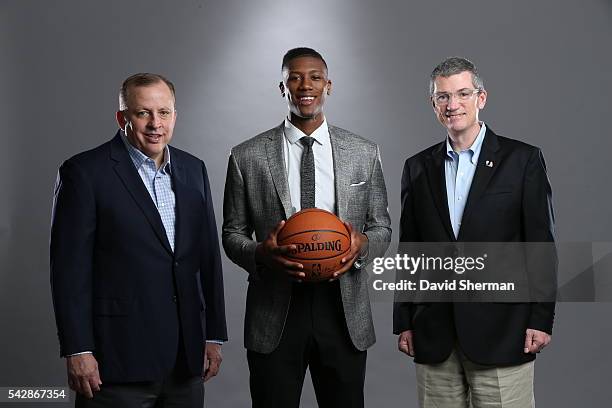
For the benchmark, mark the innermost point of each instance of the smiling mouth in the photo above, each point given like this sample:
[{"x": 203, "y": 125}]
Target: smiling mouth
[
  {"x": 153, "y": 137},
  {"x": 454, "y": 115},
  {"x": 306, "y": 100}
]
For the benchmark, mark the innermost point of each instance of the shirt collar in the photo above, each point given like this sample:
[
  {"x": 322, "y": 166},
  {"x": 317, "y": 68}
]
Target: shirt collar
[
  {"x": 474, "y": 149},
  {"x": 293, "y": 134},
  {"x": 138, "y": 157}
]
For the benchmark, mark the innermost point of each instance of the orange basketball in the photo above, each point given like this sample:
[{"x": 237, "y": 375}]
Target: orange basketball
[{"x": 321, "y": 240}]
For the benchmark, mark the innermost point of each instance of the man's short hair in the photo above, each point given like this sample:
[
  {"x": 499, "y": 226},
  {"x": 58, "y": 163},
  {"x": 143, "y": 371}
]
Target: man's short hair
[
  {"x": 141, "y": 79},
  {"x": 453, "y": 66},
  {"x": 301, "y": 52}
]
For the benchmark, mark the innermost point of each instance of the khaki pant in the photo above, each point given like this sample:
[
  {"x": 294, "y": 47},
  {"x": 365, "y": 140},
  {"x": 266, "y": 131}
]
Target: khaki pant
[{"x": 459, "y": 383}]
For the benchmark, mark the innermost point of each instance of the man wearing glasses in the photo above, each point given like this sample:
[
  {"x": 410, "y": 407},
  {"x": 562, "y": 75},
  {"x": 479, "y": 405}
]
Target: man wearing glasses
[{"x": 475, "y": 186}]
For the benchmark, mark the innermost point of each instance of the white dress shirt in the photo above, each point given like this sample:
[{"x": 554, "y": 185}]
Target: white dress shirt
[{"x": 325, "y": 188}]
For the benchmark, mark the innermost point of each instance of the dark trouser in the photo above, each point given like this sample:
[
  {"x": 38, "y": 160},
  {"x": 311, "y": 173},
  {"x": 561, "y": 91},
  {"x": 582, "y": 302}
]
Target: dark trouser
[
  {"x": 178, "y": 390},
  {"x": 173, "y": 392},
  {"x": 315, "y": 335}
]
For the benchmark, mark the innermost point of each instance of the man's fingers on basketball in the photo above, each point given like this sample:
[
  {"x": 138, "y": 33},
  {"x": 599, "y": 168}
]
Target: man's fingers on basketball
[
  {"x": 353, "y": 252},
  {"x": 285, "y": 249},
  {"x": 342, "y": 270},
  {"x": 350, "y": 258},
  {"x": 348, "y": 226},
  {"x": 290, "y": 265},
  {"x": 278, "y": 227},
  {"x": 296, "y": 275}
]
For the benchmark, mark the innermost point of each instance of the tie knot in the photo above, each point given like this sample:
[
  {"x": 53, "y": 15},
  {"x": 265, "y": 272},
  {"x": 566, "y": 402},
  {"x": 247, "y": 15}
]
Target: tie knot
[{"x": 307, "y": 141}]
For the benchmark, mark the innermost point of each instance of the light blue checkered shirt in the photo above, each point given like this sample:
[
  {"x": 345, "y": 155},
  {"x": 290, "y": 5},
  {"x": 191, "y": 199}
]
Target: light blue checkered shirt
[
  {"x": 159, "y": 186},
  {"x": 158, "y": 183},
  {"x": 459, "y": 172}
]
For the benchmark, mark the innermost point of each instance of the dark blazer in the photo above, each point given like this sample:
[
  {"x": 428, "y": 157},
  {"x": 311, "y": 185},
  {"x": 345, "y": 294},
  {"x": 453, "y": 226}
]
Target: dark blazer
[
  {"x": 118, "y": 288},
  {"x": 508, "y": 202}
]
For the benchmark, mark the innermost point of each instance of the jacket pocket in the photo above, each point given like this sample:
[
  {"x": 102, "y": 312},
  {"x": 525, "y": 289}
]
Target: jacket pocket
[{"x": 498, "y": 191}]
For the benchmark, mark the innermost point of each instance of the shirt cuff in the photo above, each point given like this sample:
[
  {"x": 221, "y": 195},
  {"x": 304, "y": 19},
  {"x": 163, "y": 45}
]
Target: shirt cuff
[
  {"x": 220, "y": 342},
  {"x": 78, "y": 354}
]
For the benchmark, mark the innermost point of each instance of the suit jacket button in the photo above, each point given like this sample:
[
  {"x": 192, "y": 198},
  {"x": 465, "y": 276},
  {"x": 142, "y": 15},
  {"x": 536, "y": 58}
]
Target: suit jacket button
[
  {"x": 176, "y": 263},
  {"x": 174, "y": 299}
]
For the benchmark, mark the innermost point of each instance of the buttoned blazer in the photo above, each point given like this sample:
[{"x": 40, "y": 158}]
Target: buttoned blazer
[
  {"x": 257, "y": 198},
  {"x": 118, "y": 288},
  {"x": 510, "y": 200}
]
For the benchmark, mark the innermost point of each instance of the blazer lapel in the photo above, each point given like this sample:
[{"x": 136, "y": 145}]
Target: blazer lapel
[
  {"x": 342, "y": 171},
  {"x": 437, "y": 184},
  {"x": 488, "y": 161},
  {"x": 181, "y": 202},
  {"x": 276, "y": 162},
  {"x": 133, "y": 183}
]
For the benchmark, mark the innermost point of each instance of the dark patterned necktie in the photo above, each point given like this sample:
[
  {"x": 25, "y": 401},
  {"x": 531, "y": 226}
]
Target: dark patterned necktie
[{"x": 307, "y": 174}]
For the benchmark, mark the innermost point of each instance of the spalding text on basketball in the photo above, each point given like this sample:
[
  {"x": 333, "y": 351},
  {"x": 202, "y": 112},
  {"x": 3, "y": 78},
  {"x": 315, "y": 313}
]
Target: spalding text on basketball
[{"x": 317, "y": 246}]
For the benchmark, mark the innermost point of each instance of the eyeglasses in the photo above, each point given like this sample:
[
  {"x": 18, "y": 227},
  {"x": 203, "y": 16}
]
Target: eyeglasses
[{"x": 443, "y": 98}]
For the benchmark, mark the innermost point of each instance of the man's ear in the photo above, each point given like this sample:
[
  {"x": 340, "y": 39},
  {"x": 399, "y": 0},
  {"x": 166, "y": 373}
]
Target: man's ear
[
  {"x": 121, "y": 119},
  {"x": 281, "y": 86},
  {"x": 482, "y": 99},
  {"x": 329, "y": 86}
]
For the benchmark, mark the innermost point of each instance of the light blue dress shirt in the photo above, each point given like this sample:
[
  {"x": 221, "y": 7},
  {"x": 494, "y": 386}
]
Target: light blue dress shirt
[
  {"x": 459, "y": 169},
  {"x": 159, "y": 185}
]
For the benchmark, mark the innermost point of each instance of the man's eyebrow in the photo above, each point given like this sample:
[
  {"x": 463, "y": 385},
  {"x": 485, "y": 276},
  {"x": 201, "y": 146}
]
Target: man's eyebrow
[
  {"x": 312, "y": 71},
  {"x": 458, "y": 90}
]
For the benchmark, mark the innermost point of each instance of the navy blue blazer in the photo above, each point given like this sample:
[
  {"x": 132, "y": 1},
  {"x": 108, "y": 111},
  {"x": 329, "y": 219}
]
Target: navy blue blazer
[{"x": 118, "y": 288}]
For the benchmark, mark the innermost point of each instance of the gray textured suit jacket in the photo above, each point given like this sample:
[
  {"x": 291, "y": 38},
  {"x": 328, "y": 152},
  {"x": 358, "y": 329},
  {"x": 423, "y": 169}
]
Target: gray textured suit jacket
[{"x": 257, "y": 198}]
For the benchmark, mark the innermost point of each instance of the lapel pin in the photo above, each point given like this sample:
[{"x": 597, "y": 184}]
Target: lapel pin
[{"x": 488, "y": 163}]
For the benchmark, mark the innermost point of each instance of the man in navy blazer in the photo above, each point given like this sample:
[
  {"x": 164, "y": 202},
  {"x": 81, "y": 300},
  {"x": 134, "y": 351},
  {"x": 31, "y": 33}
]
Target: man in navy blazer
[
  {"x": 135, "y": 264},
  {"x": 478, "y": 187}
]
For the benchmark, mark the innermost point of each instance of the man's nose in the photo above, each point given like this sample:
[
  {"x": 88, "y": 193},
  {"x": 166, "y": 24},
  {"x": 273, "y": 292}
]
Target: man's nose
[
  {"x": 453, "y": 102},
  {"x": 154, "y": 121},
  {"x": 306, "y": 83}
]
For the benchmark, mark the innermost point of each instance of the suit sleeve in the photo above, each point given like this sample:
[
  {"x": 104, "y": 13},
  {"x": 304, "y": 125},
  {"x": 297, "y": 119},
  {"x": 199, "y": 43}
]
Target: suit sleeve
[
  {"x": 541, "y": 257},
  {"x": 237, "y": 228},
  {"x": 73, "y": 228},
  {"x": 211, "y": 273},
  {"x": 378, "y": 223},
  {"x": 402, "y": 311}
]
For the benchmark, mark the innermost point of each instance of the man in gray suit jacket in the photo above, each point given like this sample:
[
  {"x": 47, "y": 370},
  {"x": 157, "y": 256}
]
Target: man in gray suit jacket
[{"x": 291, "y": 325}]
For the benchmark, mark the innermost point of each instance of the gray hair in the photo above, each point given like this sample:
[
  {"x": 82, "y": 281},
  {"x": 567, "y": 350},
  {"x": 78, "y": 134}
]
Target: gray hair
[{"x": 453, "y": 66}]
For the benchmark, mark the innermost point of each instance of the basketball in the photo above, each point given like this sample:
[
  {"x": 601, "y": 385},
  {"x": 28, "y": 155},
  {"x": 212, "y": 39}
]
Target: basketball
[{"x": 321, "y": 240}]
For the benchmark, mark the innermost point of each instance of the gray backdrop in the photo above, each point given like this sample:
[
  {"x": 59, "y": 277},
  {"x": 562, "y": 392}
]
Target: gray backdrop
[{"x": 546, "y": 65}]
